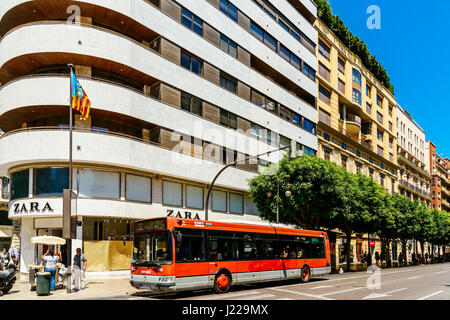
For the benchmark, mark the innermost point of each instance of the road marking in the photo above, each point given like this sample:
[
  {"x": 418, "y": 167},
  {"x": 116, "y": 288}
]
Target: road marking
[
  {"x": 395, "y": 290},
  {"x": 331, "y": 286},
  {"x": 301, "y": 294},
  {"x": 441, "y": 271},
  {"x": 342, "y": 291},
  {"x": 285, "y": 299},
  {"x": 255, "y": 297},
  {"x": 375, "y": 295},
  {"x": 232, "y": 295},
  {"x": 415, "y": 277},
  {"x": 321, "y": 287},
  {"x": 430, "y": 295}
]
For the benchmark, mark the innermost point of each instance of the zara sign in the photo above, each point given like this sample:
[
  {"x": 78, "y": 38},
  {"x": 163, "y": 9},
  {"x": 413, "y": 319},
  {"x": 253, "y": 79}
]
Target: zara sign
[{"x": 32, "y": 207}]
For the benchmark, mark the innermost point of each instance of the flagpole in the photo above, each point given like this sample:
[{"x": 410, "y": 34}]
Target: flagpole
[{"x": 69, "y": 241}]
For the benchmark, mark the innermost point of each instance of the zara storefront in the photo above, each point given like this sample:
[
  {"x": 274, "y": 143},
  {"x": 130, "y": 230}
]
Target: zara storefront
[{"x": 108, "y": 201}]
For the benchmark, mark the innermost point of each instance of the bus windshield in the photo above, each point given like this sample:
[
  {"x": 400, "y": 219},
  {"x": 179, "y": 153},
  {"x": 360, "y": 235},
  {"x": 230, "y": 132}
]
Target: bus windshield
[{"x": 152, "y": 249}]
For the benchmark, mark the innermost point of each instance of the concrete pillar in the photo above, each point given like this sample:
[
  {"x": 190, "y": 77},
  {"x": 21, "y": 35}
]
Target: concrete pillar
[
  {"x": 27, "y": 249},
  {"x": 122, "y": 185}
]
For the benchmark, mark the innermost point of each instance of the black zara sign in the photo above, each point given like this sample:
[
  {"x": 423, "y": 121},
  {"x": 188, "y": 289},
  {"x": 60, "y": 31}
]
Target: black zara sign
[
  {"x": 187, "y": 215},
  {"x": 32, "y": 207}
]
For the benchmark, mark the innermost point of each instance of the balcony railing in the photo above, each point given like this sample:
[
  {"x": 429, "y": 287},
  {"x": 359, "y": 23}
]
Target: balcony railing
[
  {"x": 353, "y": 118},
  {"x": 415, "y": 188},
  {"x": 414, "y": 164}
]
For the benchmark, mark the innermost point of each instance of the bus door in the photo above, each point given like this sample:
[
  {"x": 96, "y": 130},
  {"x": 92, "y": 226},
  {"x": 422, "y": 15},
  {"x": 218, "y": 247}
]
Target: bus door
[{"x": 220, "y": 252}]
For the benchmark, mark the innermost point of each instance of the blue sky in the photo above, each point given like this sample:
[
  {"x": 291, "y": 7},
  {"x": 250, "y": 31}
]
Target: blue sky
[{"x": 413, "y": 45}]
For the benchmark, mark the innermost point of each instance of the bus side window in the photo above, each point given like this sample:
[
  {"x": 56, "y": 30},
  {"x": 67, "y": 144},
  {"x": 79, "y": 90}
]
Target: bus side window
[{"x": 190, "y": 246}]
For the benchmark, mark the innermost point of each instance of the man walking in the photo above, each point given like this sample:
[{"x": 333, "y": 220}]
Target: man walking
[{"x": 79, "y": 269}]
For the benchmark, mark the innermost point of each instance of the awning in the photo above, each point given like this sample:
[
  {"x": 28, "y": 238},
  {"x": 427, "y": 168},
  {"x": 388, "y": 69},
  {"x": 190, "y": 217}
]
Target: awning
[
  {"x": 48, "y": 240},
  {"x": 5, "y": 233}
]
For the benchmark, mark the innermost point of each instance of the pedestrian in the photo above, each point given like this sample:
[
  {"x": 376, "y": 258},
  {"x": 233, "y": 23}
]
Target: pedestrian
[
  {"x": 377, "y": 257},
  {"x": 4, "y": 256},
  {"x": 426, "y": 257},
  {"x": 365, "y": 257},
  {"x": 400, "y": 259},
  {"x": 79, "y": 270},
  {"x": 14, "y": 254},
  {"x": 414, "y": 258},
  {"x": 51, "y": 259}
]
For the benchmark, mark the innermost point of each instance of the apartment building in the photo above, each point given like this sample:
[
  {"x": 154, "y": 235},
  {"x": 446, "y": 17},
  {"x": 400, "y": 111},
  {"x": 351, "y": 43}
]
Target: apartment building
[
  {"x": 413, "y": 175},
  {"x": 440, "y": 177},
  {"x": 178, "y": 89}
]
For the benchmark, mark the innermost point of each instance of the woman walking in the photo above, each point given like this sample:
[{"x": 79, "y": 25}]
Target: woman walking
[{"x": 51, "y": 259}]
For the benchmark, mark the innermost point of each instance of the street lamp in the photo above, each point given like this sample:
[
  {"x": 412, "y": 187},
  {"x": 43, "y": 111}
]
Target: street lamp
[{"x": 287, "y": 193}]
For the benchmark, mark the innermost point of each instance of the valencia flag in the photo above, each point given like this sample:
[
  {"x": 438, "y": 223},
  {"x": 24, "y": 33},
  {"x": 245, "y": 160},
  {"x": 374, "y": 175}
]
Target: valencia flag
[{"x": 80, "y": 100}]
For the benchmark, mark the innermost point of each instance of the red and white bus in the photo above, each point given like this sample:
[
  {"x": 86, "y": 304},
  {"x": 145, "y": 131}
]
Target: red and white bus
[{"x": 172, "y": 254}]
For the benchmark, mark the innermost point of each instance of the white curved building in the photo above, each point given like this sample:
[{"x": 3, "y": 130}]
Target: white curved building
[{"x": 178, "y": 89}]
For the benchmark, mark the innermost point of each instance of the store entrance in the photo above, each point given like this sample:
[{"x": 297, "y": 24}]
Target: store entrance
[{"x": 42, "y": 248}]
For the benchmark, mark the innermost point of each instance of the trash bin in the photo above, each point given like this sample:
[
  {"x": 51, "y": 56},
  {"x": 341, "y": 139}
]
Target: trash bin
[{"x": 43, "y": 283}]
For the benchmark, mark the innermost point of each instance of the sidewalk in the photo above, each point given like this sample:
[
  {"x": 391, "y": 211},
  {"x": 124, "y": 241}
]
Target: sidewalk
[{"x": 94, "y": 288}]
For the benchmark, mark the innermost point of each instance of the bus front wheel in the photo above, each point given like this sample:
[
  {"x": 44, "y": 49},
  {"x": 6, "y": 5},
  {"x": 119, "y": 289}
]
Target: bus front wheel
[
  {"x": 222, "y": 283},
  {"x": 305, "y": 274}
]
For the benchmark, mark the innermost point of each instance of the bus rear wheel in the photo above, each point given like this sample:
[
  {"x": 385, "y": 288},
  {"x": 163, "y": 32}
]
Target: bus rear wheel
[
  {"x": 305, "y": 274},
  {"x": 222, "y": 283}
]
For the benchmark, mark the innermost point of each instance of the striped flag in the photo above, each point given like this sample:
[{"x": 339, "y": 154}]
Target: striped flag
[{"x": 80, "y": 100}]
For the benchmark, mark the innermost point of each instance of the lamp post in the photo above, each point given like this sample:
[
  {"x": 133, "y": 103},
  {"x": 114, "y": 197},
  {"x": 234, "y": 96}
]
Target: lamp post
[{"x": 208, "y": 194}]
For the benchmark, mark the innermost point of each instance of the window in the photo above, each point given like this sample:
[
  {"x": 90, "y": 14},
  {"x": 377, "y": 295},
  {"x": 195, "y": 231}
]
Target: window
[
  {"x": 289, "y": 56},
  {"x": 382, "y": 179},
  {"x": 370, "y": 172},
  {"x": 324, "y": 95},
  {"x": 236, "y": 203},
  {"x": 19, "y": 184},
  {"x": 138, "y": 188},
  {"x": 324, "y": 50},
  {"x": 341, "y": 65},
  {"x": 341, "y": 86},
  {"x": 191, "y": 21},
  {"x": 379, "y": 100},
  {"x": 356, "y": 96},
  {"x": 228, "y": 83},
  {"x": 324, "y": 72},
  {"x": 379, "y": 134},
  {"x": 257, "y": 31},
  {"x": 307, "y": 70},
  {"x": 356, "y": 76},
  {"x": 191, "y": 63},
  {"x": 309, "y": 126},
  {"x": 220, "y": 246},
  {"x": 380, "y": 151},
  {"x": 194, "y": 197},
  {"x": 229, "y": 9},
  {"x": 50, "y": 182},
  {"x": 191, "y": 103},
  {"x": 263, "y": 101},
  {"x": 326, "y": 137},
  {"x": 326, "y": 154},
  {"x": 344, "y": 162},
  {"x": 309, "y": 151},
  {"x": 390, "y": 126},
  {"x": 228, "y": 119},
  {"x": 219, "y": 201},
  {"x": 228, "y": 45},
  {"x": 368, "y": 90},
  {"x": 317, "y": 248},
  {"x": 189, "y": 245},
  {"x": 379, "y": 117},
  {"x": 172, "y": 193},
  {"x": 263, "y": 36},
  {"x": 390, "y": 110},
  {"x": 390, "y": 142},
  {"x": 98, "y": 184},
  {"x": 358, "y": 167}
]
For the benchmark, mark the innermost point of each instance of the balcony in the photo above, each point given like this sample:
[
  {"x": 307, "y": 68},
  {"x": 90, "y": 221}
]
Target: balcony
[
  {"x": 401, "y": 156},
  {"x": 445, "y": 204},
  {"x": 353, "y": 124}
]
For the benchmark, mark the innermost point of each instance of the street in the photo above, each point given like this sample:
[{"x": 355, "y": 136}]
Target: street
[{"x": 427, "y": 282}]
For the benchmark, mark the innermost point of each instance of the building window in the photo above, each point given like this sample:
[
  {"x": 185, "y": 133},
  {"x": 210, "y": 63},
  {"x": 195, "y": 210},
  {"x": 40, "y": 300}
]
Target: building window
[
  {"x": 356, "y": 76},
  {"x": 379, "y": 117},
  {"x": 344, "y": 162},
  {"x": 194, "y": 197},
  {"x": 19, "y": 184},
  {"x": 309, "y": 126},
  {"x": 379, "y": 101},
  {"x": 382, "y": 179},
  {"x": 50, "y": 182},
  {"x": 191, "y": 103},
  {"x": 98, "y": 184},
  {"x": 356, "y": 96},
  {"x": 391, "y": 157},
  {"x": 219, "y": 201},
  {"x": 228, "y": 119},
  {"x": 191, "y": 63},
  {"x": 290, "y": 57},
  {"x": 390, "y": 110},
  {"x": 380, "y": 151},
  {"x": 390, "y": 126},
  {"x": 172, "y": 193},
  {"x": 326, "y": 154},
  {"x": 358, "y": 167},
  {"x": 324, "y": 72},
  {"x": 324, "y": 95},
  {"x": 324, "y": 50},
  {"x": 368, "y": 90},
  {"x": 309, "y": 151},
  {"x": 228, "y": 45},
  {"x": 228, "y": 83},
  {"x": 341, "y": 86},
  {"x": 326, "y": 137},
  {"x": 263, "y": 36},
  {"x": 138, "y": 188},
  {"x": 236, "y": 203},
  {"x": 229, "y": 9},
  {"x": 370, "y": 172},
  {"x": 307, "y": 70},
  {"x": 191, "y": 21},
  {"x": 368, "y": 108},
  {"x": 263, "y": 101},
  {"x": 379, "y": 134},
  {"x": 341, "y": 65}
]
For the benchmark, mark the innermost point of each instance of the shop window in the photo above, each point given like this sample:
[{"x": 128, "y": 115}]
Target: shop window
[
  {"x": 236, "y": 203},
  {"x": 219, "y": 201},
  {"x": 50, "y": 182},
  {"x": 19, "y": 184},
  {"x": 138, "y": 188},
  {"x": 194, "y": 197},
  {"x": 172, "y": 193},
  {"x": 98, "y": 184}
]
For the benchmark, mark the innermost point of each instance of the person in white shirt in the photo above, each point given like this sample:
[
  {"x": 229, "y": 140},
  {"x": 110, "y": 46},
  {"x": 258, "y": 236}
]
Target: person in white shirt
[{"x": 51, "y": 259}]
